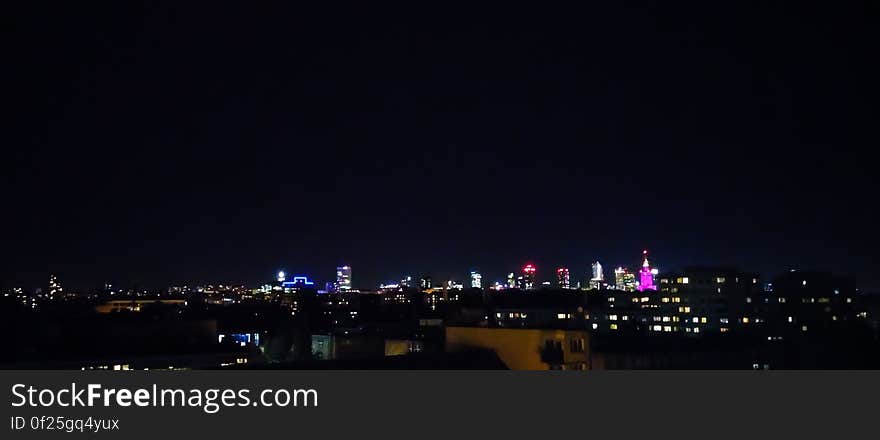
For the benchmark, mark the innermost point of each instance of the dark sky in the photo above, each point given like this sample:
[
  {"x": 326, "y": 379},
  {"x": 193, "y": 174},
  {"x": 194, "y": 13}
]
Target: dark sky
[{"x": 157, "y": 145}]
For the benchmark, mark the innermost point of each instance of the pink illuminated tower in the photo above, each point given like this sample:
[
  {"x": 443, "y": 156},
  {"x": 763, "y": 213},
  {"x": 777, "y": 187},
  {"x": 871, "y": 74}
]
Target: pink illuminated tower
[{"x": 646, "y": 275}]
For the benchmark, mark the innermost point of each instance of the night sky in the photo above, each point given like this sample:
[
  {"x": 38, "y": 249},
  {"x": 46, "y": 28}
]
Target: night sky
[{"x": 155, "y": 145}]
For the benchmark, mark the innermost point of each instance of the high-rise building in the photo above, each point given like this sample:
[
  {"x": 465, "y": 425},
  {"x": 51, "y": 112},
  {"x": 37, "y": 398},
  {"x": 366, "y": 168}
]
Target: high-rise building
[
  {"x": 343, "y": 278},
  {"x": 646, "y": 274},
  {"x": 624, "y": 279},
  {"x": 511, "y": 280},
  {"x": 54, "y": 287},
  {"x": 562, "y": 278},
  {"x": 281, "y": 276},
  {"x": 426, "y": 283},
  {"x": 476, "y": 280},
  {"x": 598, "y": 276},
  {"x": 454, "y": 285},
  {"x": 528, "y": 276}
]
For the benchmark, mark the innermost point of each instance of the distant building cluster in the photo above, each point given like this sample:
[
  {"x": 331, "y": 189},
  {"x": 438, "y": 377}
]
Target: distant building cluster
[{"x": 590, "y": 325}]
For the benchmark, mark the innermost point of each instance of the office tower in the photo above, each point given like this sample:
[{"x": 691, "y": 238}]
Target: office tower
[
  {"x": 624, "y": 280},
  {"x": 598, "y": 277},
  {"x": 562, "y": 278},
  {"x": 511, "y": 280},
  {"x": 343, "y": 278},
  {"x": 646, "y": 274},
  {"x": 54, "y": 287},
  {"x": 426, "y": 283},
  {"x": 476, "y": 280},
  {"x": 528, "y": 277}
]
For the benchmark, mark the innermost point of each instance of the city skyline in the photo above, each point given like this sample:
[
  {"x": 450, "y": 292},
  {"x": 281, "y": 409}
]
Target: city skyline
[{"x": 559, "y": 277}]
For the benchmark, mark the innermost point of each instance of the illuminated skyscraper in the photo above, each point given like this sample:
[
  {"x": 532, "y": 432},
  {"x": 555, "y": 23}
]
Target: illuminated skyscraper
[
  {"x": 646, "y": 274},
  {"x": 511, "y": 280},
  {"x": 54, "y": 287},
  {"x": 343, "y": 278},
  {"x": 281, "y": 276},
  {"x": 476, "y": 280},
  {"x": 624, "y": 279},
  {"x": 528, "y": 277},
  {"x": 562, "y": 278},
  {"x": 598, "y": 276},
  {"x": 454, "y": 285},
  {"x": 426, "y": 283}
]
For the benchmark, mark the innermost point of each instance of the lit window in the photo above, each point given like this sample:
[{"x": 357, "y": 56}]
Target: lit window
[
  {"x": 613, "y": 326},
  {"x": 666, "y": 319},
  {"x": 667, "y": 328},
  {"x": 723, "y": 329},
  {"x": 719, "y": 280},
  {"x": 723, "y": 320},
  {"x": 685, "y": 280},
  {"x": 695, "y": 319},
  {"x": 745, "y": 320},
  {"x": 658, "y": 328},
  {"x": 703, "y": 320},
  {"x": 790, "y": 319},
  {"x": 696, "y": 329},
  {"x": 665, "y": 299},
  {"x": 612, "y": 317}
]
